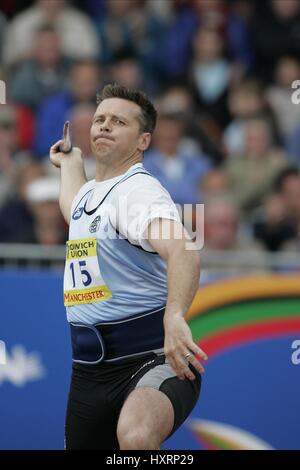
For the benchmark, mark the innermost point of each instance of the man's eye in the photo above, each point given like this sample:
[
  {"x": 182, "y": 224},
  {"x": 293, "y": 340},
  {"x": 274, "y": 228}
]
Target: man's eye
[{"x": 118, "y": 121}]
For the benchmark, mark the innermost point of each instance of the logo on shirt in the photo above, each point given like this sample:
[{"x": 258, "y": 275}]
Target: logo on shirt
[
  {"x": 77, "y": 214},
  {"x": 95, "y": 224}
]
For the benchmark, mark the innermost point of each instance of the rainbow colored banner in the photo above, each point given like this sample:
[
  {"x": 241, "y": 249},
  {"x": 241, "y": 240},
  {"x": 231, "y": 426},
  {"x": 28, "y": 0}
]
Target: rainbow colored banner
[
  {"x": 234, "y": 312},
  {"x": 250, "y": 390}
]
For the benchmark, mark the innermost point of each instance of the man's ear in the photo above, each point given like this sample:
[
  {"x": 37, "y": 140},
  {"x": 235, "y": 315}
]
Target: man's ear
[{"x": 144, "y": 141}]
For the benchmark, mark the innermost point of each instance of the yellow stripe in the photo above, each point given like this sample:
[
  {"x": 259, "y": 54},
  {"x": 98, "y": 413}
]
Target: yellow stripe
[
  {"x": 83, "y": 248},
  {"x": 86, "y": 296},
  {"x": 221, "y": 442},
  {"x": 250, "y": 287}
]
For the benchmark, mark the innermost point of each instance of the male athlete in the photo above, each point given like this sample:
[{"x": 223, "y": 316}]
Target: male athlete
[{"x": 127, "y": 286}]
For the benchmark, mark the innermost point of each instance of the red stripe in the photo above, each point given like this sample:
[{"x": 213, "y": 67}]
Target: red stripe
[
  {"x": 251, "y": 332},
  {"x": 206, "y": 444}
]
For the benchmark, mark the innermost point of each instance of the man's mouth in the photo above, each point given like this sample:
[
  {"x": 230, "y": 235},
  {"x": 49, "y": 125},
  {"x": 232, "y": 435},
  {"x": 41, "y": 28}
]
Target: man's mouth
[{"x": 103, "y": 137}]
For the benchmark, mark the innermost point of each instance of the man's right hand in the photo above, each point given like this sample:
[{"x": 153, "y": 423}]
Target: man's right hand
[
  {"x": 56, "y": 156},
  {"x": 72, "y": 175}
]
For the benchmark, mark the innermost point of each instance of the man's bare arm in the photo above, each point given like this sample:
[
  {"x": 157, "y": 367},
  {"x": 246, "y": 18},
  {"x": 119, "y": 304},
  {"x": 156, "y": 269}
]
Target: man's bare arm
[
  {"x": 72, "y": 176},
  {"x": 183, "y": 272}
]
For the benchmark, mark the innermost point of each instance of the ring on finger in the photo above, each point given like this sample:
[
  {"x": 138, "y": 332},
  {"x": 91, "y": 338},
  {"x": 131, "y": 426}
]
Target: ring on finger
[{"x": 187, "y": 355}]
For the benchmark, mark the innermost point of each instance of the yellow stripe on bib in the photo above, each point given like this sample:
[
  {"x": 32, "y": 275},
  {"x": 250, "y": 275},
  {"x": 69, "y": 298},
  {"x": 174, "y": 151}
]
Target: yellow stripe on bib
[
  {"x": 83, "y": 248},
  {"x": 86, "y": 296}
]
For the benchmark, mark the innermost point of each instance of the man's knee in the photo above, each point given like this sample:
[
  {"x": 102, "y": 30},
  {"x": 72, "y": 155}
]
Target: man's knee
[{"x": 136, "y": 439}]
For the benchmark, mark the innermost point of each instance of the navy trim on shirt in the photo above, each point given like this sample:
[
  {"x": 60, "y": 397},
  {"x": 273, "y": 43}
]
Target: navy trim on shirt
[
  {"x": 91, "y": 212},
  {"x": 133, "y": 244}
]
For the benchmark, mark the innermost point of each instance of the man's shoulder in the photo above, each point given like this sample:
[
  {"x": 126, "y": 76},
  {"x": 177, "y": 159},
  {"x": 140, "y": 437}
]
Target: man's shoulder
[
  {"x": 85, "y": 188},
  {"x": 88, "y": 185},
  {"x": 141, "y": 180},
  {"x": 142, "y": 189}
]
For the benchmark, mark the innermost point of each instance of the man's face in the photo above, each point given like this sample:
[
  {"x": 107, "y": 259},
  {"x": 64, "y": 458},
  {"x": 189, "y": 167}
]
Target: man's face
[{"x": 115, "y": 132}]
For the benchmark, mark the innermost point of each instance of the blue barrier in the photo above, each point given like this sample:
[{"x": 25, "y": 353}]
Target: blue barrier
[{"x": 250, "y": 393}]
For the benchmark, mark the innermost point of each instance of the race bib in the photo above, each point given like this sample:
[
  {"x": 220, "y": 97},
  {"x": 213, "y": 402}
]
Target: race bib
[{"x": 83, "y": 283}]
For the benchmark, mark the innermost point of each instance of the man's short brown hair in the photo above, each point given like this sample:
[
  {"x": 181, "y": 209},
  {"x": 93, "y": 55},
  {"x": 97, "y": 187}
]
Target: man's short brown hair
[{"x": 148, "y": 116}]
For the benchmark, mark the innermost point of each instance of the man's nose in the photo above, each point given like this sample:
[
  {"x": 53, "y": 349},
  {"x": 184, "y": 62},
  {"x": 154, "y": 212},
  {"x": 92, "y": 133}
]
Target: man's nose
[{"x": 105, "y": 126}]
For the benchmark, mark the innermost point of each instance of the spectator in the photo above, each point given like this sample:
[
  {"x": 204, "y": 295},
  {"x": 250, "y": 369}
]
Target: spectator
[
  {"x": 160, "y": 8},
  {"x": 294, "y": 244},
  {"x": 252, "y": 174},
  {"x": 81, "y": 116},
  {"x": 176, "y": 98},
  {"x": 179, "y": 173},
  {"x": 293, "y": 144},
  {"x": 113, "y": 29},
  {"x": 200, "y": 128},
  {"x": 237, "y": 33},
  {"x": 11, "y": 7},
  {"x": 232, "y": 21},
  {"x": 128, "y": 24},
  {"x": 176, "y": 48},
  {"x": 224, "y": 232},
  {"x": 187, "y": 17},
  {"x": 245, "y": 100},
  {"x": 26, "y": 127},
  {"x": 10, "y": 155},
  {"x": 78, "y": 37},
  {"x": 279, "y": 94},
  {"x": 277, "y": 221},
  {"x": 274, "y": 34},
  {"x": 222, "y": 226},
  {"x": 214, "y": 184},
  {"x": 43, "y": 75},
  {"x": 48, "y": 226},
  {"x": 15, "y": 216},
  {"x": 2, "y": 31},
  {"x": 37, "y": 209},
  {"x": 126, "y": 70},
  {"x": 92, "y": 7},
  {"x": 211, "y": 74},
  {"x": 85, "y": 80}
]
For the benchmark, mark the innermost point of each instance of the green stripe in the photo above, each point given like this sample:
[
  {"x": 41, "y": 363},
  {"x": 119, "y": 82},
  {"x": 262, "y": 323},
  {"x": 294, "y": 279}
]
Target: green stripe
[
  {"x": 217, "y": 442},
  {"x": 223, "y": 318}
]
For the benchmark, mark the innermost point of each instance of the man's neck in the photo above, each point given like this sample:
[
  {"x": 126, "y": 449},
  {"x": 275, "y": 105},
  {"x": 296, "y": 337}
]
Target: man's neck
[{"x": 106, "y": 172}]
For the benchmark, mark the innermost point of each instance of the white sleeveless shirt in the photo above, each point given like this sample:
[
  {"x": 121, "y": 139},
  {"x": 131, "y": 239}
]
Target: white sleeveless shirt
[{"x": 111, "y": 270}]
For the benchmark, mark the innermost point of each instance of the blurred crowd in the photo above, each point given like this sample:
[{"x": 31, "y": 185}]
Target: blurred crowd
[{"x": 220, "y": 73}]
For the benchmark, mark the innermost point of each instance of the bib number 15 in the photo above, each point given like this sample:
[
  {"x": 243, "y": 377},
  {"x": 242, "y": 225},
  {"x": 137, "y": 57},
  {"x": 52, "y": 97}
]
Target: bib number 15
[{"x": 86, "y": 277}]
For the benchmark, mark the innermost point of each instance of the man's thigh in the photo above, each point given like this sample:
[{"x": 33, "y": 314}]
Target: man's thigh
[
  {"x": 159, "y": 402},
  {"x": 147, "y": 413}
]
